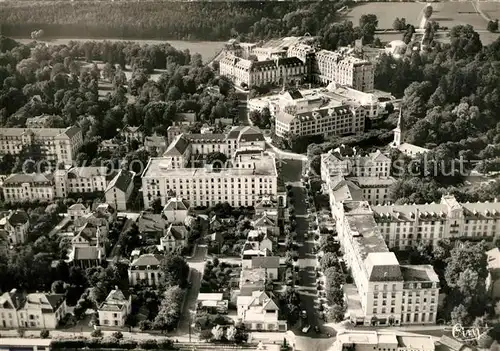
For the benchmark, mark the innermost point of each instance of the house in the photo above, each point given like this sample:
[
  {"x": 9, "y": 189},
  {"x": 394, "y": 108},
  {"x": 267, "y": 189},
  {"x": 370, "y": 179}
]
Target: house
[
  {"x": 267, "y": 224},
  {"x": 151, "y": 225},
  {"x": 109, "y": 145},
  {"x": 119, "y": 189},
  {"x": 251, "y": 280},
  {"x": 257, "y": 240},
  {"x": 36, "y": 310},
  {"x": 86, "y": 257},
  {"x": 77, "y": 211},
  {"x": 175, "y": 237},
  {"x": 249, "y": 253},
  {"x": 114, "y": 310},
  {"x": 260, "y": 311},
  {"x": 215, "y": 223},
  {"x": 213, "y": 303},
  {"x": 43, "y": 311},
  {"x": 14, "y": 226},
  {"x": 10, "y": 303},
  {"x": 145, "y": 269},
  {"x": 130, "y": 133},
  {"x": 493, "y": 279},
  {"x": 270, "y": 264},
  {"x": 176, "y": 210},
  {"x": 155, "y": 144}
]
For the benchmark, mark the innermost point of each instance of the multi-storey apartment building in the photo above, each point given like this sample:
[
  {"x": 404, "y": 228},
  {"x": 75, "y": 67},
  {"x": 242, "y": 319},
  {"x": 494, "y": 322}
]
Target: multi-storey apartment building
[
  {"x": 306, "y": 100},
  {"x": 343, "y": 68},
  {"x": 250, "y": 178},
  {"x": 389, "y": 293},
  {"x": 403, "y": 226},
  {"x": 80, "y": 180},
  {"x": 249, "y": 73},
  {"x": 357, "y": 177},
  {"x": 21, "y": 187},
  {"x": 58, "y": 145},
  {"x": 187, "y": 148},
  {"x": 328, "y": 121}
]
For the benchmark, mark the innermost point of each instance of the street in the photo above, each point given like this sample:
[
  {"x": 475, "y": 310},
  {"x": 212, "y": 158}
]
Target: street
[{"x": 196, "y": 264}]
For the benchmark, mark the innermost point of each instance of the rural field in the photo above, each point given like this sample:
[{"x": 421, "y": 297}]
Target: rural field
[
  {"x": 490, "y": 9},
  {"x": 450, "y": 14},
  {"x": 207, "y": 49},
  {"x": 387, "y": 11}
]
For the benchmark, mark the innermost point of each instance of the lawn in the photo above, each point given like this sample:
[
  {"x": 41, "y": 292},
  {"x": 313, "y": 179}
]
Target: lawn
[{"x": 386, "y": 12}]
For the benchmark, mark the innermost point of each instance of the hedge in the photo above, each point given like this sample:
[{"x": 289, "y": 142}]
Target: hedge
[{"x": 112, "y": 344}]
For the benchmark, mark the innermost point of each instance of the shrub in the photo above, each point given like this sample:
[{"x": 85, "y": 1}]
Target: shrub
[
  {"x": 96, "y": 333},
  {"x": 117, "y": 335},
  {"x": 44, "y": 334},
  {"x": 148, "y": 344}
]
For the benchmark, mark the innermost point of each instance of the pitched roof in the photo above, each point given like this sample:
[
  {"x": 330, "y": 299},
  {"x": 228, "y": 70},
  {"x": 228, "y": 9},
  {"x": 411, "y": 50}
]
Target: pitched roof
[
  {"x": 116, "y": 301},
  {"x": 77, "y": 207},
  {"x": 179, "y": 232},
  {"x": 149, "y": 222},
  {"x": 383, "y": 266},
  {"x": 177, "y": 204},
  {"x": 87, "y": 253},
  {"x": 266, "y": 262},
  {"x": 264, "y": 220},
  {"x": 34, "y": 178},
  {"x": 249, "y": 134},
  {"x": 122, "y": 180},
  {"x": 147, "y": 260},
  {"x": 177, "y": 147},
  {"x": 86, "y": 172},
  {"x": 18, "y": 217},
  {"x": 419, "y": 273},
  {"x": 48, "y": 303},
  {"x": 11, "y": 300}
]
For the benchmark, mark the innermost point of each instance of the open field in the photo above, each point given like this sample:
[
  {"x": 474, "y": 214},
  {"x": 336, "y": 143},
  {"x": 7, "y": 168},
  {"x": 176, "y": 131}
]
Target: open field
[
  {"x": 387, "y": 11},
  {"x": 207, "y": 49},
  {"x": 450, "y": 14},
  {"x": 490, "y": 9}
]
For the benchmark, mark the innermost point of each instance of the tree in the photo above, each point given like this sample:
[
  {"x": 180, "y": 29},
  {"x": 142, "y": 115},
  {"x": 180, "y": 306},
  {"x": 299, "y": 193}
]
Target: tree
[
  {"x": 156, "y": 206},
  {"x": 217, "y": 332},
  {"x": 336, "y": 314},
  {"x": 493, "y": 26},
  {"x": 428, "y": 12},
  {"x": 206, "y": 335},
  {"x": 175, "y": 270},
  {"x": 96, "y": 333},
  {"x": 231, "y": 333},
  {"x": 169, "y": 312},
  {"x": 328, "y": 260},
  {"x": 57, "y": 287},
  {"x": 399, "y": 24},
  {"x": 217, "y": 159},
  {"x": 44, "y": 334},
  {"x": 117, "y": 335}
]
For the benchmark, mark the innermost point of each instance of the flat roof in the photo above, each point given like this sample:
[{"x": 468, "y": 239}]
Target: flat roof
[{"x": 263, "y": 165}]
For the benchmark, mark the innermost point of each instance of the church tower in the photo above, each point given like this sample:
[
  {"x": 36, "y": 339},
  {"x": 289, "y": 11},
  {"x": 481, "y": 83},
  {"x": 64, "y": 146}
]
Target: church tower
[{"x": 397, "y": 132}]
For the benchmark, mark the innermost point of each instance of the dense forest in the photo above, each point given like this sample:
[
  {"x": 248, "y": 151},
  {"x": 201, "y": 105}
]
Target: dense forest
[
  {"x": 65, "y": 81},
  {"x": 219, "y": 20}
]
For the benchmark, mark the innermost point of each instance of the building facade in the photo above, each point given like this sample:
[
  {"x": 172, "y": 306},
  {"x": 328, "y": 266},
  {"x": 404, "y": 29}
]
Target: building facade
[
  {"x": 80, "y": 180},
  {"x": 36, "y": 310},
  {"x": 248, "y": 73},
  {"x": 343, "y": 68},
  {"x": 15, "y": 225},
  {"x": 249, "y": 174},
  {"x": 114, "y": 310},
  {"x": 119, "y": 189},
  {"x": 145, "y": 269},
  {"x": 21, "y": 187},
  {"x": 53, "y": 144}
]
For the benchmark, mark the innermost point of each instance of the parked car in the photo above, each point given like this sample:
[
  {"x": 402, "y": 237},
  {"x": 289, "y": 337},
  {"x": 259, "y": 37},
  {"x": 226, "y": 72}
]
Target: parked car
[
  {"x": 303, "y": 314},
  {"x": 305, "y": 330},
  {"x": 316, "y": 329}
]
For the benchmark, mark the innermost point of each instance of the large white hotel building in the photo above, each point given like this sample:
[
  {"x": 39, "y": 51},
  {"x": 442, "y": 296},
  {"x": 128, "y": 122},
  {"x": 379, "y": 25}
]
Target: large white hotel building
[
  {"x": 249, "y": 174},
  {"x": 368, "y": 225}
]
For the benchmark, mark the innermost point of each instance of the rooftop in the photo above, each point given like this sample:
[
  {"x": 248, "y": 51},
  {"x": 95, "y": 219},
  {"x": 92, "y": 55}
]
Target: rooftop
[
  {"x": 264, "y": 165},
  {"x": 419, "y": 273}
]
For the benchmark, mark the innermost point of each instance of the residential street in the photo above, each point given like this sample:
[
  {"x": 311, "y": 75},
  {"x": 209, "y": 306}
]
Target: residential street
[{"x": 196, "y": 264}]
